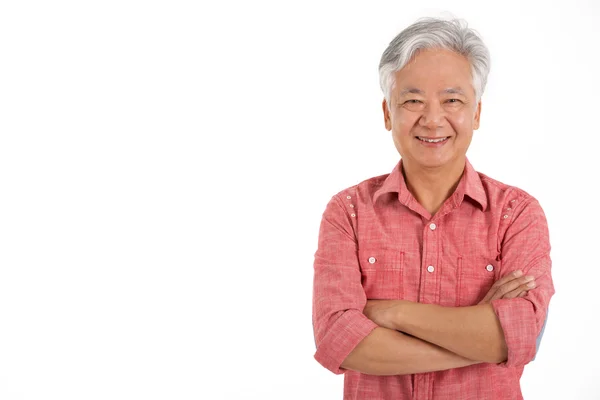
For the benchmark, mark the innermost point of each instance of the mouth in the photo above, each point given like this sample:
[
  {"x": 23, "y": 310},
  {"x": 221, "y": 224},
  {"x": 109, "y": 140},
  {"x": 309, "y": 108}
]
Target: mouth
[{"x": 433, "y": 141}]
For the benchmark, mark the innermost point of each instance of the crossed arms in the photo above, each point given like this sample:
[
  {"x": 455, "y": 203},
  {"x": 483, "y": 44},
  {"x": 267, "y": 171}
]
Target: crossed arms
[
  {"x": 442, "y": 338},
  {"x": 401, "y": 337}
]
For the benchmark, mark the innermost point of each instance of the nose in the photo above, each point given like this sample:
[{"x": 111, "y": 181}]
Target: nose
[{"x": 433, "y": 116}]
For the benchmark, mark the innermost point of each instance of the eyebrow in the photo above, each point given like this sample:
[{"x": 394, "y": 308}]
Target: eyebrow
[
  {"x": 451, "y": 90},
  {"x": 454, "y": 90}
]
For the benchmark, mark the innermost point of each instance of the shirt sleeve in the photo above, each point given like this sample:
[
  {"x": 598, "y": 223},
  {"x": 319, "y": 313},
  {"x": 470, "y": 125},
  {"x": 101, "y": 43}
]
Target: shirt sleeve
[
  {"x": 338, "y": 296},
  {"x": 525, "y": 246},
  {"x": 539, "y": 338}
]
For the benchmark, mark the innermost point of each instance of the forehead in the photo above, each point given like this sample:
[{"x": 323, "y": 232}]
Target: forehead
[{"x": 435, "y": 70}]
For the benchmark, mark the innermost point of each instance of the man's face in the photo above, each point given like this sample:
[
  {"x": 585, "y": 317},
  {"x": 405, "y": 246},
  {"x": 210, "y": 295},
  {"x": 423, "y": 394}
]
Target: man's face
[{"x": 433, "y": 98}]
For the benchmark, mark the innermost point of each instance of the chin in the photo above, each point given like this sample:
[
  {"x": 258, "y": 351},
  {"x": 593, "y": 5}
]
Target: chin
[{"x": 433, "y": 162}]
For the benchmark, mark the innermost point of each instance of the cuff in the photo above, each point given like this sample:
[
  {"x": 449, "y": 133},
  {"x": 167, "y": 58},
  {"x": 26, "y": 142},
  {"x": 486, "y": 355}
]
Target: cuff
[
  {"x": 341, "y": 338},
  {"x": 518, "y": 321}
]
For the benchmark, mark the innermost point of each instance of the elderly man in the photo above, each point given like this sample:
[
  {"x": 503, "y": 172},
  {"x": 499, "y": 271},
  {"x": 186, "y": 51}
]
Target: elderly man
[{"x": 433, "y": 281}]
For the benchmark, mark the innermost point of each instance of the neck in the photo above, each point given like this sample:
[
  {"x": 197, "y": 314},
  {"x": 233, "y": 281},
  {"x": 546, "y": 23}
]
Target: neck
[{"x": 432, "y": 186}]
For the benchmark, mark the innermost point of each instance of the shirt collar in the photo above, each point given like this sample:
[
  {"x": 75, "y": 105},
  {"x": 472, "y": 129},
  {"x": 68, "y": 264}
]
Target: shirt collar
[{"x": 470, "y": 185}]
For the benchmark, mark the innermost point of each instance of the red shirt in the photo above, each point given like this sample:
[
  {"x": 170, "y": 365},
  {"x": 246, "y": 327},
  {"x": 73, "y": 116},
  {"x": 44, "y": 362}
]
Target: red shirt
[{"x": 377, "y": 242}]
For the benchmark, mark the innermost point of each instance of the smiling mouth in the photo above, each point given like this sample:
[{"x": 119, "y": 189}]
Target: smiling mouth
[{"x": 433, "y": 140}]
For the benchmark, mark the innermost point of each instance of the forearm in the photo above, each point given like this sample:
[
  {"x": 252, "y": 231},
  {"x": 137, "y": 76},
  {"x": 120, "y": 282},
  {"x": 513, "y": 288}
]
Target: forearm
[
  {"x": 472, "y": 332},
  {"x": 388, "y": 352}
]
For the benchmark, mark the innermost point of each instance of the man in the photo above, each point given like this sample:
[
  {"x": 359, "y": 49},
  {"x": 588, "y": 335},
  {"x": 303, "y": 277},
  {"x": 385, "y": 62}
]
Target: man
[{"x": 433, "y": 281}]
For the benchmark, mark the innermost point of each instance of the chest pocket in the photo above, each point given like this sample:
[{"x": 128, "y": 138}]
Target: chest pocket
[
  {"x": 475, "y": 277},
  {"x": 382, "y": 273}
]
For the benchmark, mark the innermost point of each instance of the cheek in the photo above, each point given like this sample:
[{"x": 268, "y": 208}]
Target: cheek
[
  {"x": 462, "y": 122},
  {"x": 459, "y": 118},
  {"x": 403, "y": 123}
]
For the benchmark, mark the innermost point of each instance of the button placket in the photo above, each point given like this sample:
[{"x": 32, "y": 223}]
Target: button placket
[{"x": 429, "y": 290}]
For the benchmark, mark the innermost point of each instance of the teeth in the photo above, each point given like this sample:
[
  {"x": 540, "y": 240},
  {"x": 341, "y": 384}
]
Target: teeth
[{"x": 432, "y": 140}]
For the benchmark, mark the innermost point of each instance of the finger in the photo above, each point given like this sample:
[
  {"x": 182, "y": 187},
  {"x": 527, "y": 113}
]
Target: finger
[
  {"x": 521, "y": 290},
  {"x": 509, "y": 277},
  {"x": 493, "y": 292},
  {"x": 528, "y": 286},
  {"x": 508, "y": 287},
  {"x": 518, "y": 292},
  {"x": 515, "y": 284},
  {"x": 506, "y": 284},
  {"x": 515, "y": 294}
]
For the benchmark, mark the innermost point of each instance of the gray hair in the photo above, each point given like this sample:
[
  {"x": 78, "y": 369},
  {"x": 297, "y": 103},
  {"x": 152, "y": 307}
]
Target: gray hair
[{"x": 429, "y": 33}]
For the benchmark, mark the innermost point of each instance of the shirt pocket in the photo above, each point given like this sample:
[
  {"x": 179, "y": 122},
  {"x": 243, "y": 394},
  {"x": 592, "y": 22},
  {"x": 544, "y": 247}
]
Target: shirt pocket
[
  {"x": 475, "y": 277},
  {"x": 382, "y": 273}
]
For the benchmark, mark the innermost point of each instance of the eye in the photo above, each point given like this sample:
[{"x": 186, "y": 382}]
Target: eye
[
  {"x": 412, "y": 101},
  {"x": 454, "y": 101}
]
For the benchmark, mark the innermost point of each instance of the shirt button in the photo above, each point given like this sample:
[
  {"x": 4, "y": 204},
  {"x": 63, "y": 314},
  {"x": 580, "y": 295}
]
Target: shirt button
[
  {"x": 430, "y": 268},
  {"x": 372, "y": 260},
  {"x": 432, "y": 226},
  {"x": 490, "y": 267}
]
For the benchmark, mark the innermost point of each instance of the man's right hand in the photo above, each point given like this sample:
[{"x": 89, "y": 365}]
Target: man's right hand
[{"x": 511, "y": 286}]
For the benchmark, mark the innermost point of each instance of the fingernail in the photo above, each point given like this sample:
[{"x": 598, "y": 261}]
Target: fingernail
[
  {"x": 518, "y": 273},
  {"x": 529, "y": 278},
  {"x": 531, "y": 284}
]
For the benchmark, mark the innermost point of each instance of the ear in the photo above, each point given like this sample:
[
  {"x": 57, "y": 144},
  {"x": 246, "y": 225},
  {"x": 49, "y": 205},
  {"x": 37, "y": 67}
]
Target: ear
[
  {"x": 477, "y": 115},
  {"x": 386, "y": 115}
]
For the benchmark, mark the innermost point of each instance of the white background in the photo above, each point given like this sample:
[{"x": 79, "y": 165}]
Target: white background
[{"x": 164, "y": 166}]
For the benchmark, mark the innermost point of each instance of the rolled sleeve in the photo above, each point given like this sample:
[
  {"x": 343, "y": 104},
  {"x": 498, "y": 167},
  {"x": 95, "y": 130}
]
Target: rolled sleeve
[
  {"x": 525, "y": 246},
  {"x": 338, "y": 296},
  {"x": 341, "y": 338}
]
